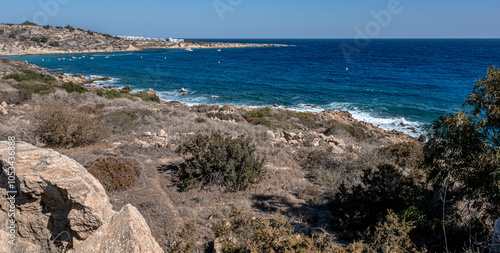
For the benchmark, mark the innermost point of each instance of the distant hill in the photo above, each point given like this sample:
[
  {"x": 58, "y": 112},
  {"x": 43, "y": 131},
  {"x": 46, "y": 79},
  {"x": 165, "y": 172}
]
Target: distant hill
[
  {"x": 34, "y": 39},
  {"x": 30, "y": 38}
]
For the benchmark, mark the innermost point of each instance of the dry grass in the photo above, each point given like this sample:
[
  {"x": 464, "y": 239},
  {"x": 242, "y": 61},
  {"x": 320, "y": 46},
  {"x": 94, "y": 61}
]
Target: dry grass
[{"x": 60, "y": 126}]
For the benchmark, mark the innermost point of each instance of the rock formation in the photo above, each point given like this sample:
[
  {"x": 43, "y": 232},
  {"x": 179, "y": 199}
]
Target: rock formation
[
  {"x": 126, "y": 232},
  {"x": 60, "y": 204}
]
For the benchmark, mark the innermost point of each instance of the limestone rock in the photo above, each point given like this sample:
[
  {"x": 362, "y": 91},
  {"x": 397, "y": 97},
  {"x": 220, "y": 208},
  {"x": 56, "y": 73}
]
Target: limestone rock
[
  {"x": 151, "y": 92},
  {"x": 162, "y": 133},
  {"x": 3, "y": 111},
  {"x": 143, "y": 144},
  {"x": 127, "y": 232},
  {"x": 57, "y": 197}
]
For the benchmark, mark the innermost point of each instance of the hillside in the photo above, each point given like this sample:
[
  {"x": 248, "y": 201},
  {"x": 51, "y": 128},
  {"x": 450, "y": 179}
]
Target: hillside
[
  {"x": 33, "y": 39},
  {"x": 235, "y": 178}
]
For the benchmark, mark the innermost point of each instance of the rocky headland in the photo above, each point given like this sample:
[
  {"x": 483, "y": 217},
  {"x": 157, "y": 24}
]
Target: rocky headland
[{"x": 29, "y": 38}]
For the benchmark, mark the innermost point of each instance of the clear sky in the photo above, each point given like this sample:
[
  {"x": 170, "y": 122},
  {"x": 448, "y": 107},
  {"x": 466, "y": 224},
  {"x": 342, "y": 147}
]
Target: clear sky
[{"x": 266, "y": 18}]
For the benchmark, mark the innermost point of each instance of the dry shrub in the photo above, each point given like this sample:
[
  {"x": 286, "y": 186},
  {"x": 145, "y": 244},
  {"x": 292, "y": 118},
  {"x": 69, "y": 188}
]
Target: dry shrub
[
  {"x": 404, "y": 155},
  {"x": 358, "y": 132},
  {"x": 238, "y": 231},
  {"x": 115, "y": 174},
  {"x": 393, "y": 235},
  {"x": 59, "y": 125},
  {"x": 187, "y": 240},
  {"x": 332, "y": 171},
  {"x": 123, "y": 120},
  {"x": 219, "y": 160}
]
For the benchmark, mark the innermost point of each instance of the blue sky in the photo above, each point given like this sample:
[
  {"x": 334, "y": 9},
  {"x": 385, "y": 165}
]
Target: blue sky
[{"x": 266, "y": 18}]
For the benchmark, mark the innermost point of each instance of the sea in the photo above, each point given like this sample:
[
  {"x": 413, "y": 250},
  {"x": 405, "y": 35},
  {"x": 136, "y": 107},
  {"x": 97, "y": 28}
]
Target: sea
[{"x": 401, "y": 84}]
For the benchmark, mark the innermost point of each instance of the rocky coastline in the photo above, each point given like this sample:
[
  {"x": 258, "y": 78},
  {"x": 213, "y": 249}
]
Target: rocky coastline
[
  {"x": 146, "y": 131},
  {"x": 33, "y": 39}
]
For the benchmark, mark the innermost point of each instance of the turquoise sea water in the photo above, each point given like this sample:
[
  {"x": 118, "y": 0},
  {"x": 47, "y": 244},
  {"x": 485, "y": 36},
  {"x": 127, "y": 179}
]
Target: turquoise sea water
[{"x": 387, "y": 83}]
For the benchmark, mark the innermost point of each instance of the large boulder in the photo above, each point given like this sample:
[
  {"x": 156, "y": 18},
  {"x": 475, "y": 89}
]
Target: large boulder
[
  {"x": 127, "y": 232},
  {"x": 57, "y": 199}
]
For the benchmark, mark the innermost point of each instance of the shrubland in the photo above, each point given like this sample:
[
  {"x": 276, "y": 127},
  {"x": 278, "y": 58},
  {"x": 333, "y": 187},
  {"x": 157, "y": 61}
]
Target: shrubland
[{"x": 327, "y": 183}]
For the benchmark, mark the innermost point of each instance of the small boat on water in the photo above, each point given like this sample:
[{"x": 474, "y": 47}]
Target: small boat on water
[
  {"x": 218, "y": 50},
  {"x": 188, "y": 49}
]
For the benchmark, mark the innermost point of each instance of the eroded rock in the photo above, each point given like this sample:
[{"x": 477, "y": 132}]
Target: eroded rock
[
  {"x": 127, "y": 232},
  {"x": 57, "y": 200}
]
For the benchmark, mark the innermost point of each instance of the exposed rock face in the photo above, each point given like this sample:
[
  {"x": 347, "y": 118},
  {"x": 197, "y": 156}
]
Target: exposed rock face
[
  {"x": 127, "y": 232},
  {"x": 495, "y": 240},
  {"x": 57, "y": 198},
  {"x": 60, "y": 204}
]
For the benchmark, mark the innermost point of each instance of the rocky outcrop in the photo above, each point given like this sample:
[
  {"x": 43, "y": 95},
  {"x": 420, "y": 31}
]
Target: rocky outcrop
[
  {"x": 58, "y": 203},
  {"x": 33, "y": 39},
  {"x": 127, "y": 232}
]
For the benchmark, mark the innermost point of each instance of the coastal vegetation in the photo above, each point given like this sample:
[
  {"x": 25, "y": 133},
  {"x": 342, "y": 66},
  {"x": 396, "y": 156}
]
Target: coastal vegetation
[
  {"x": 219, "y": 160},
  {"x": 268, "y": 179},
  {"x": 116, "y": 174}
]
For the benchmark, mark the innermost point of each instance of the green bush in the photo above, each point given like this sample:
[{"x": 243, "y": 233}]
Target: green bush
[
  {"x": 146, "y": 97},
  {"x": 260, "y": 113},
  {"x": 219, "y": 160},
  {"x": 382, "y": 188},
  {"x": 25, "y": 90},
  {"x": 72, "y": 87},
  {"x": 29, "y": 75},
  {"x": 115, "y": 174},
  {"x": 59, "y": 125},
  {"x": 109, "y": 94}
]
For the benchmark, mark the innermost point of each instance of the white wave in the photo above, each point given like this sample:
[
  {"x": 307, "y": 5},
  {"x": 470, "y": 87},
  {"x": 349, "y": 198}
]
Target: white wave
[{"x": 412, "y": 128}]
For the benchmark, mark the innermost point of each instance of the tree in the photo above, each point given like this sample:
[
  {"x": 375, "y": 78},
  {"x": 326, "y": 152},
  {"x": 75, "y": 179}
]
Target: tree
[
  {"x": 464, "y": 162},
  {"x": 485, "y": 101}
]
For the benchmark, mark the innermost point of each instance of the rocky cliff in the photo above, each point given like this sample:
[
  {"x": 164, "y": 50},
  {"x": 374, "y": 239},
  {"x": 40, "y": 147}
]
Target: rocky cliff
[{"x": 59, "y": 205}]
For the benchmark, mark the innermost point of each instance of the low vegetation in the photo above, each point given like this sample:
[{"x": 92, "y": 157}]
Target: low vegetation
[
  {"x": 60, "y": 126},
  {"x": 386, "y": 195},
  {"x": 112, "y": 94},
  {"x": 115, "y": 174},
  {"x": 219, "y": 160},
  {"x": 281, "y": 119},
  {"x": 72, "y": 87},
  {"x": 30, "y": 76}
]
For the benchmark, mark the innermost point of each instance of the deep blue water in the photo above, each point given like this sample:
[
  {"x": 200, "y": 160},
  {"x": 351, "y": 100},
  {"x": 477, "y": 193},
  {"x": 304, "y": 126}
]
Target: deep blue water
[{"x": 386, "y": 83}]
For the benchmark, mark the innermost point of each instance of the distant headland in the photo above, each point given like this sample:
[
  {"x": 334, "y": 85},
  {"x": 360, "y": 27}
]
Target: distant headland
[{"x": 30, "y": 38}]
